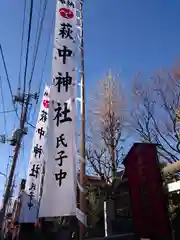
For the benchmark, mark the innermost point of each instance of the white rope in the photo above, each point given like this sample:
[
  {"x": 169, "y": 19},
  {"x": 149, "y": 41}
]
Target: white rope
[
  {"x": 81, "y": 216},
  {"x": 81, "y": 188}
]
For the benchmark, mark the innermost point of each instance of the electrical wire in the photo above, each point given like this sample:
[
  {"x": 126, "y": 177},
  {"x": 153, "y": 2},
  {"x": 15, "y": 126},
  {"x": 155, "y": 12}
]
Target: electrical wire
[
  {"x": 5, "y": 125},
  {"x": 8, "y": 111},
  {"x": 27, "y": 48},
  {"x": 38, "y": 43},
  {"x": 37, "y": 32},
  {"x": 44, "y": 64},
  {"x": 27, "y": 54},
  {"x": 10, "y": 88},
  {"x": 8, "y": 80},
  {"x": 22, "y": 39},
  {"x": 3, "y": 106},
  {"x": 9, "y": 85},
  {"x": 46, "y": 53},
  {"x": 5, "y": 67}
]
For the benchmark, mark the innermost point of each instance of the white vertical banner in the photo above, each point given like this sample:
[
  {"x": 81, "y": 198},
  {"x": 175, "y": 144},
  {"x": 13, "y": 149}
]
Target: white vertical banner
[
  {"x": 59, "y": 189},
  {"x": 31, "y": 194}
]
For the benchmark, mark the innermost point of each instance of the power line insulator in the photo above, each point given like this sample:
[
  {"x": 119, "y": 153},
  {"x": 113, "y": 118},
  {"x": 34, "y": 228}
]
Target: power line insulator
[{"x": 3, "y": 138}]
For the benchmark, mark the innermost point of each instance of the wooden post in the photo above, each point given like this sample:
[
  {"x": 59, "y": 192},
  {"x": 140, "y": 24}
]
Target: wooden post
[{"x": 82, "y": 147}]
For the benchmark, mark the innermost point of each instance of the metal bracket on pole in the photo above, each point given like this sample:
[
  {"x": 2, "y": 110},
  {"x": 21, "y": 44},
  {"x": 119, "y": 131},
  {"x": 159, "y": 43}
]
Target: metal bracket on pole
[{"x": 23, "y": 97}]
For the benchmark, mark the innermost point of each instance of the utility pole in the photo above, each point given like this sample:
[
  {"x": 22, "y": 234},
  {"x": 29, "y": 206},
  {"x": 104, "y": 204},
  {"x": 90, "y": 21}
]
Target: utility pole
[
  {"x": 82, "y": 147},
  {"x": 15, "y": 156}
]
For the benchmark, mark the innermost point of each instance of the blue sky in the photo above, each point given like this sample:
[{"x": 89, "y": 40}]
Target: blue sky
[{"x": 124, "y": 35}]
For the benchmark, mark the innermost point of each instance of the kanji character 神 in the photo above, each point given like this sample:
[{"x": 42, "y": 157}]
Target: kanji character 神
[{"x": 65, "y": 81}]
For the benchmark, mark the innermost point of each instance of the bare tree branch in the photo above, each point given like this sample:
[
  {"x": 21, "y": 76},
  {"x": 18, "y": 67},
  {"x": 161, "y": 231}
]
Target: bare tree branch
[
  {"x": 154, "y": 112},
  {"x": 106, "y": 127}
]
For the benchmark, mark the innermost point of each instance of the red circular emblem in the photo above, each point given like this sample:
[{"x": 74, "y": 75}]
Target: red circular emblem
[
  {"x": 66, "y": 13},
  {"x": 46, "y": 103}
]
